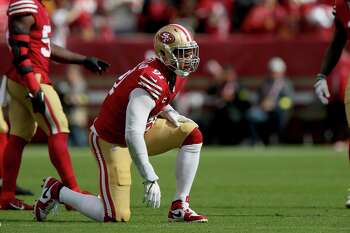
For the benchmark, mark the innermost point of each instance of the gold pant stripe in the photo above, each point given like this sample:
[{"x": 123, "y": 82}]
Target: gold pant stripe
[
  {"x": 50, "y": 119},
  {"x": 104, "y": 187}
]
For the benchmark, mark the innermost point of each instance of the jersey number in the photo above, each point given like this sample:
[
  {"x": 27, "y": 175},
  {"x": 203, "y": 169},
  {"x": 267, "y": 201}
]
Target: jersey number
[
  {"x": 119, "y": 80},
  {"x": 46, "y": 51}
]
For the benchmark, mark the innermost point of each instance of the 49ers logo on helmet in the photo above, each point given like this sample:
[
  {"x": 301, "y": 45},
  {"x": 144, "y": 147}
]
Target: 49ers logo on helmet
[{"x": 166, "y": 37}]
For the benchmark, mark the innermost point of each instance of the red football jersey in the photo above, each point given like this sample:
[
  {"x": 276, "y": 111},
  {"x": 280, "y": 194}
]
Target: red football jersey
[
  {"x": 39, "y": 46},
  {"x": 152, "y": 76},
  {"x": 342, "y": 13}
]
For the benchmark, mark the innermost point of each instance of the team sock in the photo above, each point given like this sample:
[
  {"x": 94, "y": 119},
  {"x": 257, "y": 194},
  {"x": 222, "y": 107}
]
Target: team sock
[
  {"x": 11, "y": 164},
  {"x": 3, "y": 142},
  {"x": 89, "y": 205},
  {"x": 60, "y": 158},
  {"x": 187, "y": 161}
]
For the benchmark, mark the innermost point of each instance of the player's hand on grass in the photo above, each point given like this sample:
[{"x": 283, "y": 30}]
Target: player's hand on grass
[
  {"x": 38, "y": 102},
  {"x": 321, "y": 89},
  {"x": 95, "y": 65},
  {"x": 152, "y": 194}
]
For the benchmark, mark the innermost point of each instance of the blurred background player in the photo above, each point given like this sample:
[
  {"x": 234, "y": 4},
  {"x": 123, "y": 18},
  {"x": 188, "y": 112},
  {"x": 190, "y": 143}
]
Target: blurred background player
[
  {"x": 72, "y": 91},
  {"x": 275, "y": 99},
  {"x": 228, "y": 105},
  {"x": 128, "y": 123},
  {"x": 29, "y": 39},
  {"x": 332, "y": 56}
]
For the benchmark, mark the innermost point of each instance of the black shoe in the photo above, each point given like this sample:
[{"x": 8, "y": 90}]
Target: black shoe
[{"x": 23, "y": 191}]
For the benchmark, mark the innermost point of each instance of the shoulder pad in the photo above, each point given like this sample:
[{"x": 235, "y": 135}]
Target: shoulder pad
[{"x": 20, "y": 7}]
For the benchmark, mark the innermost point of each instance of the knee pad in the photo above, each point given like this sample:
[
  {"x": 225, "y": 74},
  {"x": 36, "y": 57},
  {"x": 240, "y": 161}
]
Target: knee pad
[
  {"x": 195, "y": 137},
  {"x": 120, "y": 183}
]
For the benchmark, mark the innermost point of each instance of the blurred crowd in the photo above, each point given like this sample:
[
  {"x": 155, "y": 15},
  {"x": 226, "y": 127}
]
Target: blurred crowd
[
  {"x": 230, "y": 112},
  {"x": 106, "y": 19}
]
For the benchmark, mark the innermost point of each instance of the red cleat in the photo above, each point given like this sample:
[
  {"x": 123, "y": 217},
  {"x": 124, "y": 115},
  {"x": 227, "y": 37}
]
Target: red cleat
[
  {"x": 48, "y": 199},
  {"x": 181, "y": 212},
  {"x": 15, "y": 204}
]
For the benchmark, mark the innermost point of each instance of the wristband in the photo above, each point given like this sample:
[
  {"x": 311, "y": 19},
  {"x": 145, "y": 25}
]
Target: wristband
[{"x": 320, "y": 76}]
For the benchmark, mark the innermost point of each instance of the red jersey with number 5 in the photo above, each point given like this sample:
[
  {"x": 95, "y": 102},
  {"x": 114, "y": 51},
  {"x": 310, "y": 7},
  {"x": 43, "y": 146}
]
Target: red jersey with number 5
[
  {"x": 39, "y": 46},
  {"x": 342, "y": 14},
  {"x": 150, "y": 75}
]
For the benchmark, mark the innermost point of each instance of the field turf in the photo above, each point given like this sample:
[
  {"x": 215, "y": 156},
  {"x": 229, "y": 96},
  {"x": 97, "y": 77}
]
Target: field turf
[{"x": 263, "y": 190}]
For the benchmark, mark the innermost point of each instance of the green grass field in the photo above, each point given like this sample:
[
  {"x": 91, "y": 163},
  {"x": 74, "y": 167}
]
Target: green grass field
[{"x": 279, "y": 189}]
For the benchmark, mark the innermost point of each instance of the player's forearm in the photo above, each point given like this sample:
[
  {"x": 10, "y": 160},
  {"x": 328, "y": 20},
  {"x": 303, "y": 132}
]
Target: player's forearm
[
  {"x": 168, "y": 109},
  {"x": 170, "y": 114},
  {"x": 139, "y": 107},
  {"x": 334, "y": 50},
  {"x": 19, "y": 39},
  {"x": 62, "y": 55},
  {"x": 138, "y": 152}
]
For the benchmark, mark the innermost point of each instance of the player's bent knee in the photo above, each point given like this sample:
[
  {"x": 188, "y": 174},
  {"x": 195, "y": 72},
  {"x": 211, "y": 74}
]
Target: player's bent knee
[
  {"x": 122, "y": 202},
  {"x": 188, "y": 127},
  {"x": 123, "y": 216},
  {"x": 120, "y": 184},
  {"x": 25, "y": 132},
  {"x": 3, "y": 127},
  {"x": 195, "y": 137},
  {"x": 25, "y": 135}
]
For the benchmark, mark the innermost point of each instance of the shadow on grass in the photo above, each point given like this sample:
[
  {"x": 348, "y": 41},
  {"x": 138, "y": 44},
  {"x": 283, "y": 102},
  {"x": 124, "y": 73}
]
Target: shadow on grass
[
  {"x": 49, "y": 221},
  {"x": 278, "y": 207}
]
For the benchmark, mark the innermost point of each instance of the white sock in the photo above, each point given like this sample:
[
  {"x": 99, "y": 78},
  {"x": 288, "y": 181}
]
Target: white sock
[
  {"x": 187, "y": 161},
  {"x": 89, "y": 205}
]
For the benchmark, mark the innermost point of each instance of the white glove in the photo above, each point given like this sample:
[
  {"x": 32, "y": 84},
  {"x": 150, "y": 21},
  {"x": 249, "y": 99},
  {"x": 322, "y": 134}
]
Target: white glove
[
  {"x": 321, "y": 90},
  {"x": 152, "y": 194},
  {"x": 174, "y": 117}
]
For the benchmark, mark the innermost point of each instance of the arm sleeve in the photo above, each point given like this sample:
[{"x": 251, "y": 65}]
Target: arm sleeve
[
  {"x": 334, "y": 49},
  {"x": 139, "y": 107},
  {"x": 19, "y": 41},
  {"x": 168, "y": 108}
]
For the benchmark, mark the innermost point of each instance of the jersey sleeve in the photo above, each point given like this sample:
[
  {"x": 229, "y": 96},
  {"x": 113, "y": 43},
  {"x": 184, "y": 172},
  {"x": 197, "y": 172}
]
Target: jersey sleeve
[
  {"x": 152, "y": 84},
  {"x": 22, "y": 7}
]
